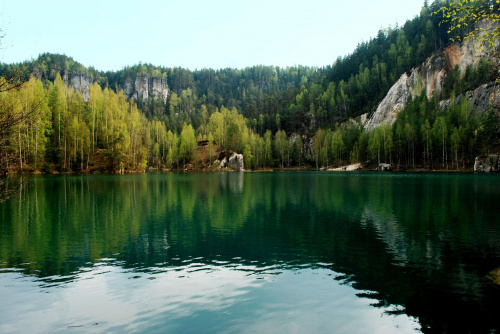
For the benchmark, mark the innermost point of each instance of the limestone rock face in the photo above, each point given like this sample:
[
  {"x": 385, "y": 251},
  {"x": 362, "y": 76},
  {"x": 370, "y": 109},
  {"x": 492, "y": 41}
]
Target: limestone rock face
[
  {"x": 158, "y": 88},
  {"x": 487, "y": 164},
  {"x": 144, "y": 87},
  {"x": 80, "y": 83},
  {"x": 394, "y": 101},
  {"x": 431, "y": 76}
]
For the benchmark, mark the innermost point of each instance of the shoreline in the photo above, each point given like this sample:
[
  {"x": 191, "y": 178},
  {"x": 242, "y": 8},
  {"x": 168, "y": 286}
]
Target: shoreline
[{"x": 343, "y": 169}]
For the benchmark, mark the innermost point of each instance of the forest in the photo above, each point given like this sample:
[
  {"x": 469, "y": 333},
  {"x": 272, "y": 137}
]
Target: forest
[{"x": 276, "y": 117}]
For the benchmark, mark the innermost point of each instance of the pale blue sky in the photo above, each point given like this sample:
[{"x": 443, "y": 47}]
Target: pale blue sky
[{"x": 195, "y": 34}]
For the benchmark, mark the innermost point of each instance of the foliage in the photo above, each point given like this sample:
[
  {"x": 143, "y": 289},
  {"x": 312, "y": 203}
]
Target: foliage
[
  {"x": 296, "y": 99},
  {"x": 261, "y": 111},
  {"x": 489, "y": 131},
  {"x": 463, "y": 16}
]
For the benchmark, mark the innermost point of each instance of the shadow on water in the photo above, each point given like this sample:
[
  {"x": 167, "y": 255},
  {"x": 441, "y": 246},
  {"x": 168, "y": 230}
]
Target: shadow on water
[{"x": 422, "y": 242}]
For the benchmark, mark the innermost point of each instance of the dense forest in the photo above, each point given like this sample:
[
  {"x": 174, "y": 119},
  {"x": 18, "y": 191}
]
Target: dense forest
[{"x": 276, "y": 117}]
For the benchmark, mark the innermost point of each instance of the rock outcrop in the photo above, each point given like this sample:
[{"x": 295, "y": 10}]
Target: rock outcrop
[
  {"x": 481, "y": 98},
  {"x": 81, "y": 83},
  {"x": 487, "y": 164},
  {"x": 234, "y": 162},
  {"x": 144, "y": 87},
  {"x": 430, "y": 76}
]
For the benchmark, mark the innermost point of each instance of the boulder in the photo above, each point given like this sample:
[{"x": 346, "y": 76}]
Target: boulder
[
  {"x": 384, "y": 166},
  {"x": 487, "y": 164},
  {"x": 234, "y": 162}
]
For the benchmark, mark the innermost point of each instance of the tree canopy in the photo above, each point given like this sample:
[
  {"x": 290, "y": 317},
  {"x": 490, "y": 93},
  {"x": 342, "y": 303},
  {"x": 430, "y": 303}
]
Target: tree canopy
[{"x": 463, "y": 17}]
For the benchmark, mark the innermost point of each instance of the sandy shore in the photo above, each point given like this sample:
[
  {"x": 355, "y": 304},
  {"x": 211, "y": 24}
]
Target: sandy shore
[{"x": 345, "y": 168}]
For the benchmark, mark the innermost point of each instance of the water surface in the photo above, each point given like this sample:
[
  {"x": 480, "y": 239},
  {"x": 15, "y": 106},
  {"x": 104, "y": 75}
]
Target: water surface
[{"x": 253, "y": 252}]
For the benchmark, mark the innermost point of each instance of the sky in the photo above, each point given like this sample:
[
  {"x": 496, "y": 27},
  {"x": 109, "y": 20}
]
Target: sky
[{"x": 110, "y": 35}]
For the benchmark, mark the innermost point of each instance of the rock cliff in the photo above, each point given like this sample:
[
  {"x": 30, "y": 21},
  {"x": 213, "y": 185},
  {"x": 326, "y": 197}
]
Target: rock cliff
[
  {"x": 80, "y": 83},
  {"x": 144, "y": 87},
  {"x": 481, "y": 98},
  {"x": 431, "y": 76}
]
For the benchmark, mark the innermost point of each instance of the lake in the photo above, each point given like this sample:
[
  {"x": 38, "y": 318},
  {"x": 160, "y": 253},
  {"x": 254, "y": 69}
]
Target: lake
[{"x": 280, "y": 252}]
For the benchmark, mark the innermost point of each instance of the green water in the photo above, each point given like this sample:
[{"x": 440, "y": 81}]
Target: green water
[{"x": 253, "y": 252}]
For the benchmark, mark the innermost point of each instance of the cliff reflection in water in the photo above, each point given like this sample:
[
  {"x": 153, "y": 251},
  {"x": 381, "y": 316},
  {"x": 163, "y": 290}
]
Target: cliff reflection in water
[{"x": 422, "y": 242}]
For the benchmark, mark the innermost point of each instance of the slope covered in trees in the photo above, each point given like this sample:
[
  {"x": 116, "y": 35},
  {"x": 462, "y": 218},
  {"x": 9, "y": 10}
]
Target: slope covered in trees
[
  {"x": 305, "y": 98},
  {"x": 267, "y": 113}
]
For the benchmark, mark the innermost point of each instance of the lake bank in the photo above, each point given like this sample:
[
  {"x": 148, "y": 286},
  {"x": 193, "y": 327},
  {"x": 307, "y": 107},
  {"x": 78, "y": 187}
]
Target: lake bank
[{"x": 346, "y": 168}]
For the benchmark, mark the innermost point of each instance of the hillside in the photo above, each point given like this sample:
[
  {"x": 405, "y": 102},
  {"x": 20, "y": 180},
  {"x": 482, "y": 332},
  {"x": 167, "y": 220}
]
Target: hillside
[
  {"x": 275, "y": 116},
  {"x": 305, "y": 98},
  {"x": 450, "y": 72}
]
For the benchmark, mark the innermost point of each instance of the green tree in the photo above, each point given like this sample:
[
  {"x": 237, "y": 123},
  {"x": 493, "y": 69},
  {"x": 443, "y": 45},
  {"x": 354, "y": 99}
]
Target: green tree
[
  {"x": 440, "y": 130},
  {"x": 12, "y": 115},
  {"x": 172, "y": 149},
  {"x": 318, "y": 142},
  {"x": 267, "y": 148},
  {"x": 426, "y": 134},
  {"x": 298, "y": 148},
  {"x": 455, "y": 144},
  {"x": 210, "y": 148},
  {"x": 376, "y": 144},
  {"x": 410, "y": 144},
  {"x": 187, "y": 143},
  {"x": 59, "y": 107},
  {"x": 95, "y": 104},
  {"x": 388, "y": 141},
  {"x": 489, "y": 132},
  {"x": 461, "y": 14},
  {"x": 217, "y": 127},
  {"x": 337, "y": 145},
  {"x": 281, "y": 144}
]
